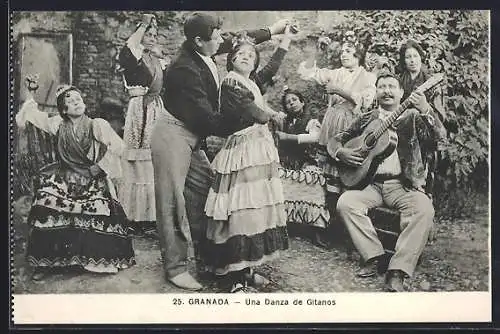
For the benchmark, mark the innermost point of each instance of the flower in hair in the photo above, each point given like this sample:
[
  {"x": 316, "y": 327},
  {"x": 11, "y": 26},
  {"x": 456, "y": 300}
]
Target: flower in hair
[
  {"x": 350, "y": 36},
  {"x": 63, "y": 89},
  {"x": 242, "y": 38}
]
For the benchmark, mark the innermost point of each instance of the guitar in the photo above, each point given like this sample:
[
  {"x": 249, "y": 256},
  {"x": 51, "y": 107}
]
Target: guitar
[{"x": 376, "y": 143}]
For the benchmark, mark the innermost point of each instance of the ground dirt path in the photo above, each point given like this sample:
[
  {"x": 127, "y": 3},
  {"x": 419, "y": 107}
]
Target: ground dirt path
[{"x": 457, "y": 261}]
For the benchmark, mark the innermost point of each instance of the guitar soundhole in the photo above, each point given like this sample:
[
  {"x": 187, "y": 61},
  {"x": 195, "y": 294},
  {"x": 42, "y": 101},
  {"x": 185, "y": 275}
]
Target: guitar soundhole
[{"x": 370, "y": 140}]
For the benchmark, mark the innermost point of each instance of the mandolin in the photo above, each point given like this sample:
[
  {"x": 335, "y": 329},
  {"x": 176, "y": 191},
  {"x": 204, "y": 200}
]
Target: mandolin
[{"x": 376, "y": 143}]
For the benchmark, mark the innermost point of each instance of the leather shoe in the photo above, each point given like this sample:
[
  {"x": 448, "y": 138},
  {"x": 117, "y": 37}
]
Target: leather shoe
[
  {"x": 186, "y": 281},
  {"x": 394, "y": 281},
  {"x": 368, "y": 269}
]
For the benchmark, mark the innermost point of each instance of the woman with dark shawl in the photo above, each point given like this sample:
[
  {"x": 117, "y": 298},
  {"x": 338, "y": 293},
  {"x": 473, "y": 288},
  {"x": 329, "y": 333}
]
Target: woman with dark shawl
[
  {"x": 429, "y": 136},
  {"x": 76, "y": 219}
]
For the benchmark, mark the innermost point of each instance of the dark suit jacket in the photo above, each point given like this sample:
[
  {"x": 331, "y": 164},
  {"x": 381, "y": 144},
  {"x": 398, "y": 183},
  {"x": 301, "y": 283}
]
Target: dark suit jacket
[{"x": 190, "y": 91}]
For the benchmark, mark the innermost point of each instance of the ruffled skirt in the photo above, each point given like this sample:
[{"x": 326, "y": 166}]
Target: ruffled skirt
[
  {"x": 245, "y": 205},
  {"x": 337, "y": 118},
  {"x": 75, "y": 221}
]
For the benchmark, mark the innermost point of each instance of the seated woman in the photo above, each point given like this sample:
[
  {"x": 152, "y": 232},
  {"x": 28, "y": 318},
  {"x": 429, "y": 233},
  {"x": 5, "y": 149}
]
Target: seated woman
[
  {"x": 300, "y": 132},
  {"x": 76, "y": 219}
]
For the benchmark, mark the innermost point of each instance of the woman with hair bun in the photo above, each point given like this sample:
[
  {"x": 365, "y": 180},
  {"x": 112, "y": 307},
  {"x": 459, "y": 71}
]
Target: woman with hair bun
[{"x": 143, "y": 69}]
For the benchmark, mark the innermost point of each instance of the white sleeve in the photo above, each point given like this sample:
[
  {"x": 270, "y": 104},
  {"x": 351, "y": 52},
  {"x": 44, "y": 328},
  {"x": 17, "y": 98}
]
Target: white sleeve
[
  {"x": 320, "y": 75},
  {"x": 110, "y": 162},
  {"x": 313, "y": 128},
  {"x": 30, "y": 113}
]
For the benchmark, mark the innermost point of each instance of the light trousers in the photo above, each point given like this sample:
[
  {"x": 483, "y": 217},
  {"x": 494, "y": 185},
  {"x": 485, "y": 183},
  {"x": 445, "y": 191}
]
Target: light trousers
[
  {"x": 417, "y": 216},
  {"x": 182, "y": 177}
]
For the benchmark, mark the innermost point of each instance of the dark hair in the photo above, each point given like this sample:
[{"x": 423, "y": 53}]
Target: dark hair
[
  {"x": 291, "y": 92},
  {"x": 61, "y": 101},
  {"x": 410, "y": 44},
  {"x": 230, "y": 56},
  {"x": 387, "y": 74},
  {"x": 202, "y": 25},
  {"x": 359, "y": 51}
]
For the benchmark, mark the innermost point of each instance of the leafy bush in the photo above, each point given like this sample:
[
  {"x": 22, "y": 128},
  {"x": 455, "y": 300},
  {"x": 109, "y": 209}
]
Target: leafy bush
[{"x": 456, "y": 43}]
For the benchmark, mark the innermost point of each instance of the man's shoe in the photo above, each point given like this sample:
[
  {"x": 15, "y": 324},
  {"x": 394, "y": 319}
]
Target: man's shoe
[
  {"x": 394, "y": 281},
  {"x": 186, "y": 281},
  {"x": 368, "y": 269}
]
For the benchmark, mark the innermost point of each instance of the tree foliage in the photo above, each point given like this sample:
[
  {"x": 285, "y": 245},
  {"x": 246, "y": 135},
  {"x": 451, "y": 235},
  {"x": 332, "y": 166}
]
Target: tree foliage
[{"x": 456, "y": 43}]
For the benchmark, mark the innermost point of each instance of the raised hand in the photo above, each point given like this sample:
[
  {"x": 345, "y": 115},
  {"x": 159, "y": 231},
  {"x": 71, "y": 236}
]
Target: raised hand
[
  {"x": 287, "y": 37},
  {"x": 279, "y": 26},
  {"x": 31, "y": 82},
  {"x": 323, "y": 42},
  {"x": 149, "y": 20}
]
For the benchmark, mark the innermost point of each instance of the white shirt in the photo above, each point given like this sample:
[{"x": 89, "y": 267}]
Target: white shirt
[
  {"x": 313, "y": 129},
  {"x": 212, "y": 66},
  {"x": 391, "y": 164}
]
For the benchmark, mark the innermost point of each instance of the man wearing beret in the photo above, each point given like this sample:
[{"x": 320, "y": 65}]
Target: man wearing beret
[{"x": 182, "y": 171}]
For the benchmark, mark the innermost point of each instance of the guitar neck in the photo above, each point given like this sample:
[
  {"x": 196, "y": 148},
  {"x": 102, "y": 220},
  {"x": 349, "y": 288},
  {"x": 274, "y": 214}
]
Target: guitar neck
[{"x": 390, "y": 120}]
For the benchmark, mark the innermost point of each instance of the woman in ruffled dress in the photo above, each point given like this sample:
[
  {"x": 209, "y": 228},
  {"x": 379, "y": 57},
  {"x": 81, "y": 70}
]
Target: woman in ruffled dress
[
  {"x": 76, "y": 219},
  {"x": 245, "y": 204},
  {"x": 143, "y": 68},
  {"x": 351, "y": 90}
]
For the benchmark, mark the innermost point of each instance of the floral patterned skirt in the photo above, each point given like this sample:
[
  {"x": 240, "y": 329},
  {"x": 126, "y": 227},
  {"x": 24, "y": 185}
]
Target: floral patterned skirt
[{"x": 75, "y": 221}]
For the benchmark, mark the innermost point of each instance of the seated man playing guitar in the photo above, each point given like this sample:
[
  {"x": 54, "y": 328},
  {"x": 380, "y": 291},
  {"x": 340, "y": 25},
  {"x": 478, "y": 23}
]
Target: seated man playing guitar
[{"x": 394, "y": 174}]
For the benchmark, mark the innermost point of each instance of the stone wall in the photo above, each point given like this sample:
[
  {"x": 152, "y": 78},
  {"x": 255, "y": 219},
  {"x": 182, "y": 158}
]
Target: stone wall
[{"x": 98, "y": 37}]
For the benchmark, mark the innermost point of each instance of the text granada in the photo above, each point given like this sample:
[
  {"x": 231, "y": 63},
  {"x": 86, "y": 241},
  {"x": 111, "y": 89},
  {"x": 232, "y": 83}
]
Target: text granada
[{"x": 208, "y": 301}]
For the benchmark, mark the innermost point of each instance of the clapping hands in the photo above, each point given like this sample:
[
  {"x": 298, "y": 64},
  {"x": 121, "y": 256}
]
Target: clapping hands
[
  {"x": 149, "y": 20},
  {"x": 323, "y": 42}
]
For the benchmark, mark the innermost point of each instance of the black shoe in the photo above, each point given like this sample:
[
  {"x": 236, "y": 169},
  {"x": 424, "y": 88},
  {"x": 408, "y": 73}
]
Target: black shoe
[
  {"x": 368, "y": 269},
  {"x": 394, "y": 281},
  {"x": 39, "y": 274},
  {"x": 318, "y": 241}
]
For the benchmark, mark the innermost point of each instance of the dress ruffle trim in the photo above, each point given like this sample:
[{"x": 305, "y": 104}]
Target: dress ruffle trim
[
  {"x": 250, "y": 195},
  {"x": 137, "y": 154},
  {"x": 81, "y": 261},
  {"x": 242, "y": 251},
  {"x": 240, "y": 151},
  {"x": 138, "y": 201},
  {"x": 303, "y": 212},
  {"x": 92, "y": 206}
]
